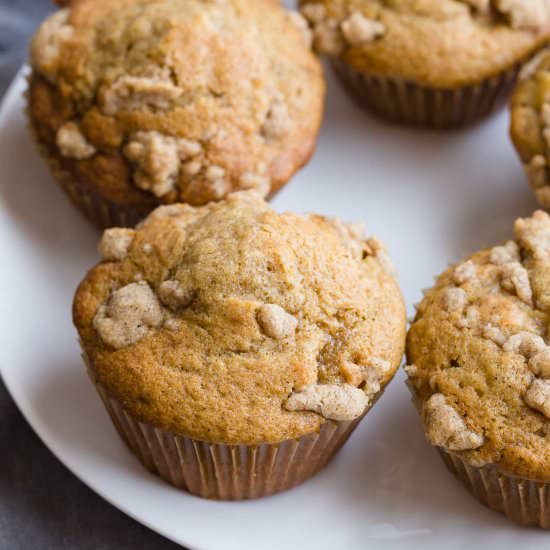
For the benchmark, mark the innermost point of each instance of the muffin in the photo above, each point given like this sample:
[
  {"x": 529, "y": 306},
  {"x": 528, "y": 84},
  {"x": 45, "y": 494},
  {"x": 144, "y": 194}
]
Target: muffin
[
  {"x": 437, "y": 63},
  {"x": 236, "y": 349},
  {"x": 530, "y": 124},
  {"x": 480, "y": 372},
  {"x": 138, "y": 103}
]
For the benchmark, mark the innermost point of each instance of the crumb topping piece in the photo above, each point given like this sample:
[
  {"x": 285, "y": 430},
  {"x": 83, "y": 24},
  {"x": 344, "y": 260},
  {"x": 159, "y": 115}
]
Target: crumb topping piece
[
  {"x": 358, "y": 29},
  {"x": 128, "y": 315},
  {"x": 538, "y": 396},
  {"x": 275, "y": 322},
  {"x": 446, "y": 428},
  {"x": 525, "y": 343},
  {"x": 454, "y": 300},
  {"x": 277, "y": 121},
  {"x": 256, "y": 182},
  {"x": 470, "y": 319},
  {"x": 175, "y": 295},
  {"x": 157, "y": 158},
  {"x": 533, "y": 234},
  {"x": 508, "y": 253},
  {"x": 494, "y": 334},
  {"x": 333, "y": 401},
  {"x": 331, "y": 36},
  {"x": 368, "y": 376},
  {"x": 115, "y": 243},
  {"x": 516, "y": 281},
  {"x": 464, "y": 272},
  {"x": 72, "y": 143},
  {"x": 539, "y": 363},
  {"x": 129, "y": 93}
]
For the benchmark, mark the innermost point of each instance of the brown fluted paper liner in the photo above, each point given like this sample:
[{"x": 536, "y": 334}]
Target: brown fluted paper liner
[
  {"x": 228, "y": 472},
  {"x": 523, "y": 500},
  {"x": 406, "y": 102}
]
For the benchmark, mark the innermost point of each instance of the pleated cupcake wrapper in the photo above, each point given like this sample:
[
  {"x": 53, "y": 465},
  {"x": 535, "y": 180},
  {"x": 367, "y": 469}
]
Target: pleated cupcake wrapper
[
  {"x": 523, "y": 500},
  {"x": 227, "y": 472},
  {"x": 406, "y": 102}
]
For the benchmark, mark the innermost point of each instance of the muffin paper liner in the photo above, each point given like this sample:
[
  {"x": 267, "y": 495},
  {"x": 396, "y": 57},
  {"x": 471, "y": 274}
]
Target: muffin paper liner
[
  {"x": 227, "y": 472},
  {"x": 406, "y": 102},
  {"x": 523, "y": 500}
]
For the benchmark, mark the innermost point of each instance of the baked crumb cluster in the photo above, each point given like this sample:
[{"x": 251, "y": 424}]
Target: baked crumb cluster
[
  {"x": 305, "y": 302},
  {"x": 446, "y": 428},
  {"x": 331, "y": 36},
  {"x": 492, "y": 312},
  {"x": 181, "y": 114}
]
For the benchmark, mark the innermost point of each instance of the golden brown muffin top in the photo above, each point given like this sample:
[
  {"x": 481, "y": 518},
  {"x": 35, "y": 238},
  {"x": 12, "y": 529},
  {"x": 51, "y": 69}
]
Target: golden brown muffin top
[
  {"x": 197, "y": 98},
  {"x": 232, "y": 323},
  {"x": 480, "y": 361},
  {"x": 530, "y": 124},
  {"x": 436, "y": 43}
]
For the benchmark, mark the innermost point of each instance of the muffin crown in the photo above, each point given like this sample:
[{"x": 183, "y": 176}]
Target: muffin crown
[
  {"x": 436, "y": 43},
  {"x": 187, "y": 100},
  {"x": 480, "y": 362},
  {"x": 233, "y": 324}
]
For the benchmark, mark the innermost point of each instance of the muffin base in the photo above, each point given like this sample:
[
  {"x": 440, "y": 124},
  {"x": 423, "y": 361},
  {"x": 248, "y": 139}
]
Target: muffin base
[
  {"x": 405, "y": 102},
  {"x": 522, "y": 500},
  {"x": 228, "y": 472}
]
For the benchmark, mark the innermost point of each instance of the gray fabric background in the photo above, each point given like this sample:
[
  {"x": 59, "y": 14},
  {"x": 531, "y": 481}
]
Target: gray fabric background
[{"x": 42, "y": 505}]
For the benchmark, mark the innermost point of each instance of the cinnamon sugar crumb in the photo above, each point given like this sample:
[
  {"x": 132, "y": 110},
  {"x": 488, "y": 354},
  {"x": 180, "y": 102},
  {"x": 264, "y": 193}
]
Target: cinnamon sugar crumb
[
  {"x": 275, "y": 322},
  {"x": 72, "y": 143},
  {"x": 446, "y": 428},
  {"x": 115, "y": 243},
  {"x": 333, "y": 401},
  {"x": 358, "y": 29},
  {"x": 128, "y": 315}
]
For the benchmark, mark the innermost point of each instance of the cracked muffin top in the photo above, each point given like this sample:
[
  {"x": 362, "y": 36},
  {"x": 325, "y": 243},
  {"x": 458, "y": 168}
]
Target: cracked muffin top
[
  {"x": 436, "y": 43},
  {"x": 479, "y": 355},
  {"x": 231, "y": 323},
  {"x": 530, "y": 124},
  {"x": 161, "y": 101}
]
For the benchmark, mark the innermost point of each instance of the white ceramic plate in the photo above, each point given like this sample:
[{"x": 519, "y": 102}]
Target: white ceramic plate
[{"x": 433, "y": 197}]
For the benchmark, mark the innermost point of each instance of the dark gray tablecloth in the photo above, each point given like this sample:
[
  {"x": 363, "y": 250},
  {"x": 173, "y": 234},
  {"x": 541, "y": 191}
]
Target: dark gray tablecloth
[{"x": 42, "y": 505}]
